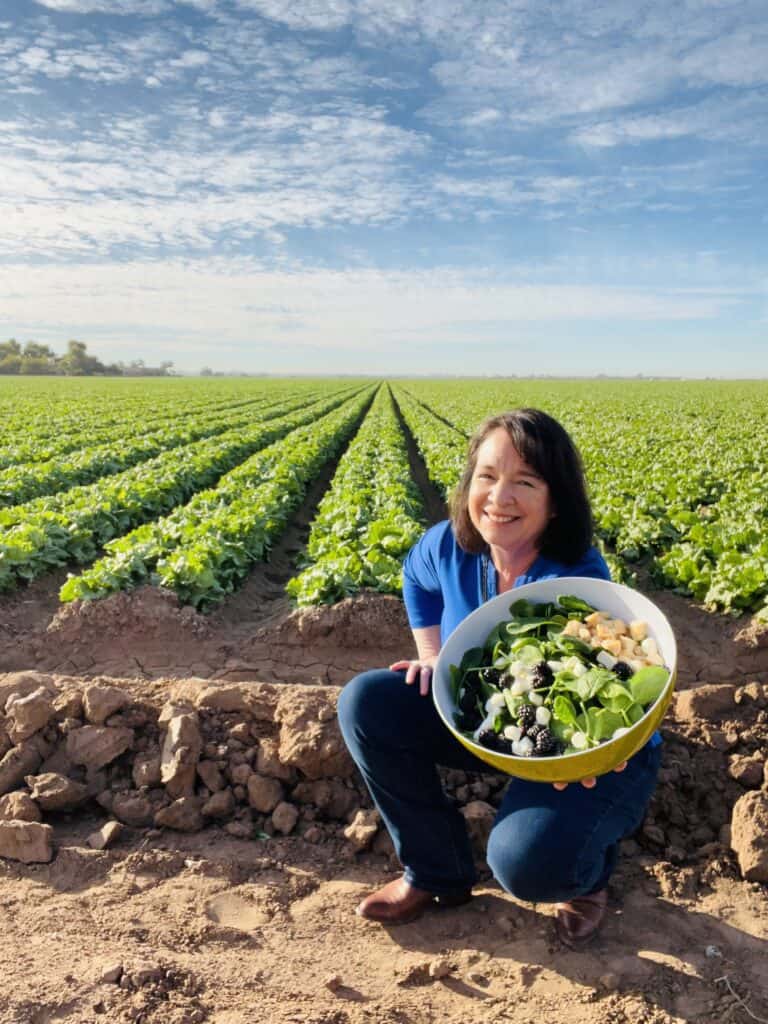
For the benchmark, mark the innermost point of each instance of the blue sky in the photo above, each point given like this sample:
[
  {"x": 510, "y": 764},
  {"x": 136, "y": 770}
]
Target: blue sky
[{"x": 388, "y": 186}]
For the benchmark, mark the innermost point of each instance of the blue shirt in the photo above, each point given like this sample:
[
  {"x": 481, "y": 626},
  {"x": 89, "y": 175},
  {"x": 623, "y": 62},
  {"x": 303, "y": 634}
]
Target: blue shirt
[{"x": 442, "y": 583}]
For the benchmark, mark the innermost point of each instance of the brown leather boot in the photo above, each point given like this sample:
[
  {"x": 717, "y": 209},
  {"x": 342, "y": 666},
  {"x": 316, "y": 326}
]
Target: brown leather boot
[
  {"x": 398, "y": 902},
  {"x": 578, "y": 920}
]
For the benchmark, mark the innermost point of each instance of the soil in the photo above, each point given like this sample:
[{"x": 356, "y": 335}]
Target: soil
[{"x": 176, "y": 929}]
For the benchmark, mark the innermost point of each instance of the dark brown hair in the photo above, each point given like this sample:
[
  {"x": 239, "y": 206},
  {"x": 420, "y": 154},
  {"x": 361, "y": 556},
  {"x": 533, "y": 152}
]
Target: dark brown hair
[{"x": 548, "y": 449}]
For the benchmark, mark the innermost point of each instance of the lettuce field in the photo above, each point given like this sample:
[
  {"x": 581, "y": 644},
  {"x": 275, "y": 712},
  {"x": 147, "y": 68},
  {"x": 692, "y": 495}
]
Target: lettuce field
[{"x": 186, "y": 483}]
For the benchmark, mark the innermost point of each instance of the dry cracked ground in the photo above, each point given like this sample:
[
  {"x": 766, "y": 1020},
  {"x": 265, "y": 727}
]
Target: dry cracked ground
[{"x": 184, "y": 838}]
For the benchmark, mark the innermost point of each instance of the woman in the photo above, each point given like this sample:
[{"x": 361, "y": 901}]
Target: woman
[{"x": 520, "y": 513}]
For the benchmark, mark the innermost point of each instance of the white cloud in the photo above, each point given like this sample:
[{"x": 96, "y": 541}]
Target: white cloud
[
  {"x": 240, "y": 305},
  {"x": 192, "y": 59},
  {"x": 717, "y": 118},
  {"x": 323, "y": 15},
  {"x": 147, "y": 8},
  {"x": 737, "y": 59},
  {"x": 127, "y": 190},
  {"x": 488, "y": 115}
]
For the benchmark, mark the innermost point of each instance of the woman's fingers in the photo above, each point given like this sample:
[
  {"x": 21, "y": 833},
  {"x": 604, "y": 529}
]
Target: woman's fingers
[
  {"x": 588, "y": 783},
  {"x": 591, "y": 782},
  {"x": 425, "y": 678},
  {"x": 414, "y": 670}
]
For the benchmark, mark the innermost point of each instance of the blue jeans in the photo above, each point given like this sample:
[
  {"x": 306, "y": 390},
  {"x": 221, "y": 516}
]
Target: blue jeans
[{"x": 546, "y": 845}]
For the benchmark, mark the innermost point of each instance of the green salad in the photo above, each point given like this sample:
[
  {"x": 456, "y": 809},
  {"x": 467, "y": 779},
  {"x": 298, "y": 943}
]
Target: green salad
[{"x": 556, "y": 678}]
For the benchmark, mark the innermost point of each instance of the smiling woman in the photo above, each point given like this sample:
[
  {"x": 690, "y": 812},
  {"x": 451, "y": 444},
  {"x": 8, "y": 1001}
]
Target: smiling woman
[{"x": 519, "y": 513}]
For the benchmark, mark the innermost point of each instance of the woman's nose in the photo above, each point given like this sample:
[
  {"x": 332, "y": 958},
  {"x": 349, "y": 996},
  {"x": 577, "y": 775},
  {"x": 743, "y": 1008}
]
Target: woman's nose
[{"x": 503, "y": 493}]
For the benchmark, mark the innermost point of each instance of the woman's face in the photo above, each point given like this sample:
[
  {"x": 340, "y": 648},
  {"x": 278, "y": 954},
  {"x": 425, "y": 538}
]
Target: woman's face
[{"x": 509, "y": 503}]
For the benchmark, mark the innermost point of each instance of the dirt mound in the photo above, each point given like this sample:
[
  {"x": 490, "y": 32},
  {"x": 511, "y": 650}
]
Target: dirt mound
[
  {"x": 365, "y": 621},
  {"x": 753, "y": 634},
  {"x": 128, "y": 618}
]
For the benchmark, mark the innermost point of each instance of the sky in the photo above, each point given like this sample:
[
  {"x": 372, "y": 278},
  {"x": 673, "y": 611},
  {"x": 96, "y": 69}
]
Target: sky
[{"x": 388, "y": 186}]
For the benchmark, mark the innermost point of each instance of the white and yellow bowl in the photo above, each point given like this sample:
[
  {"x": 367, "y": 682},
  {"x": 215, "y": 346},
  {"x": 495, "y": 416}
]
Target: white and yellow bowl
[{"x": 622, "y": 603}]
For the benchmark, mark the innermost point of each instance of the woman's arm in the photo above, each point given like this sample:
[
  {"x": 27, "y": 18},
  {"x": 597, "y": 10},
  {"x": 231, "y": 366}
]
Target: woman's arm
[{"x": 427, "y": 647}]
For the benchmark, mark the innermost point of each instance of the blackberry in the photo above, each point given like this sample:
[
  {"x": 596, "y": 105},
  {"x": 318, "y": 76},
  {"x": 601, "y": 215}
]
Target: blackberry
[
  {"x": 490, "y": 675},
  {"x": 542, "y": 674},
  {"x": 490, "y": 740},
  {"x": 545, "y": 742},
  {"x": 533, "y": 731},
  {"x": 526, "y": 716},
  {"x": 622, "y": 670}
]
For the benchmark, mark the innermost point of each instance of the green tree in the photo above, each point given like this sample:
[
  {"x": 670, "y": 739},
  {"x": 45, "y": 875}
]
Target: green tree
[
  {"x": 10, "y": 348},
  {"x": 77, "y": 363},
  {"x": 10, "y": 364},
  {"x": 34, "y": 350},
  {"x": 36, "y": 366}
]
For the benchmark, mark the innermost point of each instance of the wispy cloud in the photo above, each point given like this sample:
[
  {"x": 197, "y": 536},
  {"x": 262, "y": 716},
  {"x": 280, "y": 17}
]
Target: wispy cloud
[
  {"x": 145, "y": 8},
  {"x": 325, "y": 309},
  {"x": 395, "y": 136},
  {"x": 722, "y": 118}
]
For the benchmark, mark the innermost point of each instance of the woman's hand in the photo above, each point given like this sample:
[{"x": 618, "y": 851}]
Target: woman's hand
[
  {"x": 591, "y": 781},
  {"x": 417, "y": 668},
  {"x": 427, "y": 649}
]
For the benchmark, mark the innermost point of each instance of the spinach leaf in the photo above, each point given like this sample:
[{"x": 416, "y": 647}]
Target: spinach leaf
[
  {"x": 603, "y": 722},
  {"x": 472, "y": 659},
  {"x": 522, "y": 609},
  {"x": 647, "y": 684},
  {"x": 595, "y": 680},
  {"x": 574, "y": 604},
  {"x": 564, "y": 711}
]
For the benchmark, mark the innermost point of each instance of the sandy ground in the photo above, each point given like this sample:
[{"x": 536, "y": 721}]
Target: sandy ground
[{"x": 206, "y": 927}]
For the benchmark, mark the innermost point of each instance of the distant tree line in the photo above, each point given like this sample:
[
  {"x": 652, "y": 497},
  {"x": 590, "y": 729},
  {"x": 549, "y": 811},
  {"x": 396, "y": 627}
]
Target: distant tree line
[{"x": 34, "y": 359}]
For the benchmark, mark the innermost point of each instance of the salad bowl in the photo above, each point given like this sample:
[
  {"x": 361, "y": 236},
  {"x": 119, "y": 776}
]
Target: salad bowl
[{"x": 618, "y": 601}]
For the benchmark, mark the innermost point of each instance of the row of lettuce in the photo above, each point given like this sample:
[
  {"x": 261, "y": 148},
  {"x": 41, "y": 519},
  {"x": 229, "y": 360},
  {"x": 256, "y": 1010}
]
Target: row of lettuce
[{"x": 370, "y": 516}]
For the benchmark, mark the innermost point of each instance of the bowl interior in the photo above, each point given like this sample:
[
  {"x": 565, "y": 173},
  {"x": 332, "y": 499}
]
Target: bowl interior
[{"x": 621, "y": 602}]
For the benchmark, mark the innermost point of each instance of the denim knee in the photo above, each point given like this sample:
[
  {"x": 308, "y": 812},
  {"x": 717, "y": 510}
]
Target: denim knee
[
  {"x": 518, "y": 871},
  {"x": 533, "y": 860},
  {"x": 362, "y": 705}
]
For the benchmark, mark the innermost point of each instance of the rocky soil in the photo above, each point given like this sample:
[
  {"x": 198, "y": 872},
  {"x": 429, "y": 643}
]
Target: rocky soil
[{"x": 183, "y": 837}]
